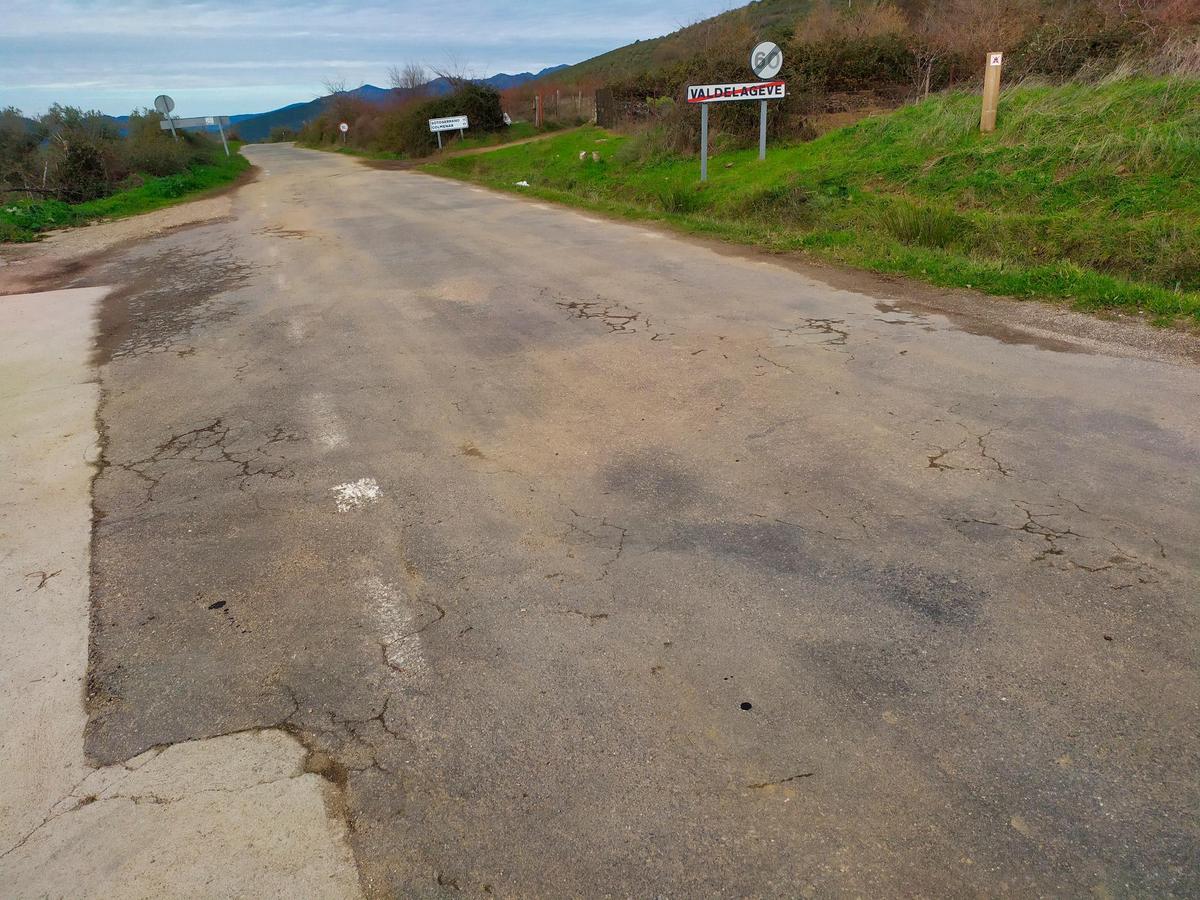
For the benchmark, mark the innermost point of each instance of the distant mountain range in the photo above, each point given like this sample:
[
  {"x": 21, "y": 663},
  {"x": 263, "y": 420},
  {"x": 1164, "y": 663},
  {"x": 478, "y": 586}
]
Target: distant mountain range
[{"x": 258, "y": 126}]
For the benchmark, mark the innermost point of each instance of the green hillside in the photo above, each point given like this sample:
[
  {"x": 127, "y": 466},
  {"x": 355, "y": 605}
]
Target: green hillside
[
  {"x": 767, "y": 18},
  {"x": 1089, "y": 193}
]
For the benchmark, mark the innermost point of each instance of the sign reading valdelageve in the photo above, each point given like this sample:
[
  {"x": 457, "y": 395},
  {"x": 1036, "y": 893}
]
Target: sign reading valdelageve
[
  {"x": 449, "y": 123},
  {"x": 719, "y": 93}
]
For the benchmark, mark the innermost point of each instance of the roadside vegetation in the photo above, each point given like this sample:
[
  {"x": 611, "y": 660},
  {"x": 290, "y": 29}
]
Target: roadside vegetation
[
  {"x": 71, "y": 167},
  {"x": 400, "y": 129},
  {"x": 1086, "y": 192}
]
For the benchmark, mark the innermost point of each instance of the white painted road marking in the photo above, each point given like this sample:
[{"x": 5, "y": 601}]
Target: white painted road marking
[{"x": 356, "y": 494}]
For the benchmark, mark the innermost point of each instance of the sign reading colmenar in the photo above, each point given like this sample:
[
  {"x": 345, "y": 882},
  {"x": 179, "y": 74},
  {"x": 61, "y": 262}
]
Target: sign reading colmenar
[
  {"x": 450, "y": 123},
  {"x": 719, "y": 93}
]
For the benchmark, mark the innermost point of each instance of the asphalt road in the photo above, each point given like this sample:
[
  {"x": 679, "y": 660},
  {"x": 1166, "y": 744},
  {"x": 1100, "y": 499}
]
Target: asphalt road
[{"x": 588, "y": 560}]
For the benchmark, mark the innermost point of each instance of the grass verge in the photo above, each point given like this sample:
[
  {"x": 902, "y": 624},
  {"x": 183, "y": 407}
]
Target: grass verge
[
  {"x": 1086, "y": 193},
  {"x": 24, "y": 220}
]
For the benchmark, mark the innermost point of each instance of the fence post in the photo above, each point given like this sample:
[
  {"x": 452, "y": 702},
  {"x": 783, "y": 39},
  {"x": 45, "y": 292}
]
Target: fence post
[{"x": 991, "y": 92}]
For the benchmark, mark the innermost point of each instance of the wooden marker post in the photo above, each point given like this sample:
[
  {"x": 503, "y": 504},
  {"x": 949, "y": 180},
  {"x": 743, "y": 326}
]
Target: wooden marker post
[{"x": 991, "y": 92}]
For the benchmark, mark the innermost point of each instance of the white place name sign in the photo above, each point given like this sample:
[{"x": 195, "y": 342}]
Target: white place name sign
[
  {"x": 719, "y": 93},
  {"x": 450, "y": 123}
]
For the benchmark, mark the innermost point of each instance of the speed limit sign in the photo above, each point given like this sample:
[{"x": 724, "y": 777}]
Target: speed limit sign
[{"x": 766, "y": 60}]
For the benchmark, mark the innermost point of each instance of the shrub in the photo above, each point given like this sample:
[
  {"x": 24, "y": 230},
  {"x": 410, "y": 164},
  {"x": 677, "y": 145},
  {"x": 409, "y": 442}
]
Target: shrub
[{"x": 407, "y": 130}]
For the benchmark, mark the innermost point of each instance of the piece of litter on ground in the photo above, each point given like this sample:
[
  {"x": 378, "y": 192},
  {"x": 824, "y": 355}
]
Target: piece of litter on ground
[
  {"x": 522, "y": 184},
  {"x": 356, "y": 494}
]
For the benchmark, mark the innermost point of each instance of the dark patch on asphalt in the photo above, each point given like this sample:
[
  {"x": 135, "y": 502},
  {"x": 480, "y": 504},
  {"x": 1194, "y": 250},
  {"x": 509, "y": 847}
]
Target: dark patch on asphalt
[
  {"x": 942, "y": 599},
  {"x": 163, "y": 298},
  {"x": 771, "y": 545},
  {"x": 652, "y": 476},
  {"x": 793, "y": 549}
]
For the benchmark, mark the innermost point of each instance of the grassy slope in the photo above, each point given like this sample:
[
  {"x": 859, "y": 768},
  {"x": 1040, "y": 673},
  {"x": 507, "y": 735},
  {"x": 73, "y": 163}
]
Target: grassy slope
[
  {"x": 22, "y": 220},
  {"x": 1087, "y": 193},
  {"x": 644, "y": 56}
]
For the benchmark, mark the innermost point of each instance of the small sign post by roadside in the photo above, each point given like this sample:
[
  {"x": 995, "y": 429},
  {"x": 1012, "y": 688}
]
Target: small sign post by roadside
[
  {"x": 449, "y": 123},
  {"x": 766, "y": 60},
  {"x": 991, "y": 92},
  {"x": 343, "y": 128},
  {"x": 164, "y": 105}
]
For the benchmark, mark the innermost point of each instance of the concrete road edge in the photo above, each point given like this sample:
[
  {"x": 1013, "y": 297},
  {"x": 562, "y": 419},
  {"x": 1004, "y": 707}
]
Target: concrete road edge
[{"x": 234, "y": 815}]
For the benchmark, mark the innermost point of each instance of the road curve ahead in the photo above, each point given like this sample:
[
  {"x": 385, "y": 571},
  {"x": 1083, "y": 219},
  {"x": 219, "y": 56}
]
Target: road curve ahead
[{"x": 586, "y": 560}]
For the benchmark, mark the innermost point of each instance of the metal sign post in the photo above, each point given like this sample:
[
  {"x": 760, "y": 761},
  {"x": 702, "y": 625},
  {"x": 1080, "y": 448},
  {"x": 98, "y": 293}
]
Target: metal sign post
[
  {"x": 704, "y": 94},
  {"x": 221, "y": 131},
  {"x": 762, "y": 130}
]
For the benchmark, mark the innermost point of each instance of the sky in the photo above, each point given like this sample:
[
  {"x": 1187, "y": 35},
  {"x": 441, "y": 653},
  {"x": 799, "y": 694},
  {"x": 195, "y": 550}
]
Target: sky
[{"x": 224, "y": 57}]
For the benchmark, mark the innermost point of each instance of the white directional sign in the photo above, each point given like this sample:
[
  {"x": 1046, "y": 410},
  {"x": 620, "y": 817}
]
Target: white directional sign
[
  {"x": 196, "y": 122},
  {"x": 766, "y": 60},
  {"x": 719, "y": 93},
  {"x": 449, "y": 123}
]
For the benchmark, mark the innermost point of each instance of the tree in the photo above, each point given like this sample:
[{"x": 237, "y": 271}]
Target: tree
[
  {"x": 454, "y": 72},
  {"x": 409, "y": 78}
]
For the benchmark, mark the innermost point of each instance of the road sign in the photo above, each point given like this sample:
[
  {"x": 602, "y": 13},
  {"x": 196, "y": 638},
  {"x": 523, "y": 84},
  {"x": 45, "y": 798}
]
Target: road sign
[
  {"x": 720, "y": 93},
  {"x": 164, "y": 105},
  {"x": 343, "y": 127},
  {"x": 766, "y": 60},
  {"x": 449, "y": 123},
  {"x": 197, "y": 122}
]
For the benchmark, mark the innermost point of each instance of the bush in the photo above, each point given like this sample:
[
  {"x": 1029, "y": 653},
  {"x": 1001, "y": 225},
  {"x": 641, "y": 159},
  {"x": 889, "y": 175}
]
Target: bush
[
  {"x": 281, "y": 133},
  {"x": 408, "y": 131}
]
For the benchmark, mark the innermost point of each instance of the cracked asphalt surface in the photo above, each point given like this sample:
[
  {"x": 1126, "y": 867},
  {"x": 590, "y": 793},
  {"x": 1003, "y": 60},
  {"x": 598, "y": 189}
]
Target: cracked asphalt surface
[{"x": 587, "y": 560}]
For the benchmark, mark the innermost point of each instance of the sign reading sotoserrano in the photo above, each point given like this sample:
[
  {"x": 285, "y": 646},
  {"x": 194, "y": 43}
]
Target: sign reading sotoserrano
[{"x": 754, "y": 90}]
